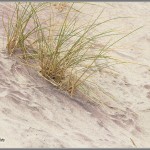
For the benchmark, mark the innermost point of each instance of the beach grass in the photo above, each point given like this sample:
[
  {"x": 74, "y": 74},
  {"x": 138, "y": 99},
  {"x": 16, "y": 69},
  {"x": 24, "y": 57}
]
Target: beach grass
[{"x": 64, "y": 50}]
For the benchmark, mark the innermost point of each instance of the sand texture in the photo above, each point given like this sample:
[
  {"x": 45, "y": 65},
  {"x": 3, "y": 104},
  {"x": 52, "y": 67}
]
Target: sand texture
[{"x": 37, "y": 115}]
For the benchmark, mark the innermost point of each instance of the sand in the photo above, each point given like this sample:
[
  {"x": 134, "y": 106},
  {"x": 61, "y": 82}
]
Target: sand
[{"x": 37, "y": 115}]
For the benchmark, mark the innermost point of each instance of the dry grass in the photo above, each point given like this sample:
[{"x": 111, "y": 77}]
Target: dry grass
[
  {"x": 64, "y": 50},
  {"x": 17, "y": 27}
]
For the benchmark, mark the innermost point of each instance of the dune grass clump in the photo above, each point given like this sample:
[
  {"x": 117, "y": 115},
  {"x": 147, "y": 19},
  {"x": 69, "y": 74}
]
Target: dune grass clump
[
  {"x": 67, "y": 53},
  {"x": 18, "y": 27},
  {"x": 65, "y": 50}
]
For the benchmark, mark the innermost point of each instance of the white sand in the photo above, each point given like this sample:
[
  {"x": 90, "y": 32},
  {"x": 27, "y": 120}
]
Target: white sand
[{"x": 35, "y": 114}]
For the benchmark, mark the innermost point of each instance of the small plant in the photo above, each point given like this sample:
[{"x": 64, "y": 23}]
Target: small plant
[
  {"x": 65, "y": 49},
  {"x": 67, "y": 55},
  {"x": 19, "y": 28}
]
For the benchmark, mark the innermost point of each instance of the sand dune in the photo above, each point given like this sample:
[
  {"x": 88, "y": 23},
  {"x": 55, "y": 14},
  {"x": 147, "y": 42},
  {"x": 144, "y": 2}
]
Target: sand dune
[{"x": 37, "y": 115}]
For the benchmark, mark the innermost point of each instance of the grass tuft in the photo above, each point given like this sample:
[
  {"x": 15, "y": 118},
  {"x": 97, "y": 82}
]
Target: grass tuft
[
  {"x": 18, "y": 27},
  {"x": 65, "y": 50}
]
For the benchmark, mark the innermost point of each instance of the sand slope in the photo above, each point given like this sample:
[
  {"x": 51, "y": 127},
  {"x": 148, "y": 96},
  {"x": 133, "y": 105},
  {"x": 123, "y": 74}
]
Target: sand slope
[{"x": 36, "y": 114}]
